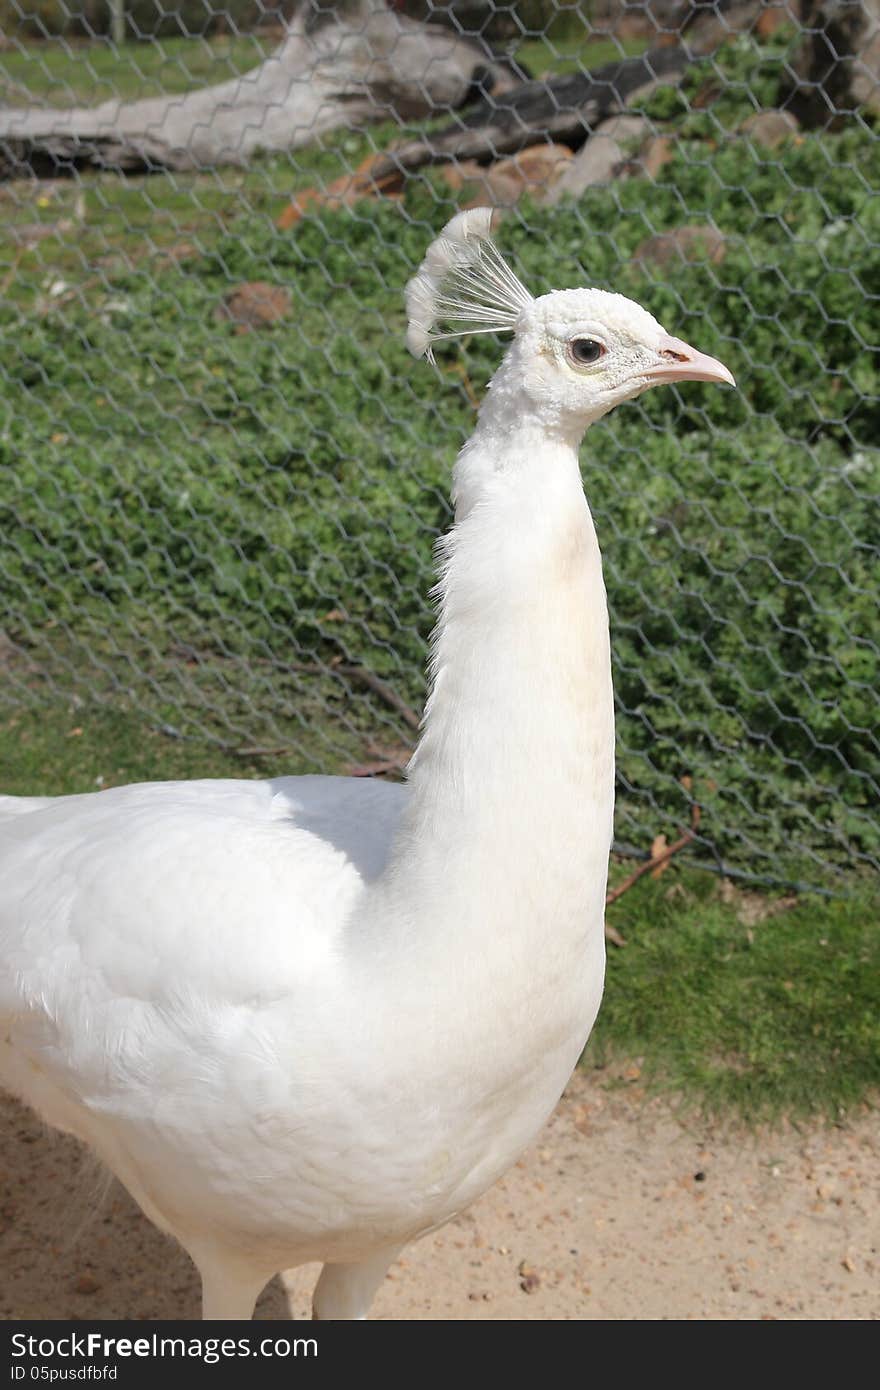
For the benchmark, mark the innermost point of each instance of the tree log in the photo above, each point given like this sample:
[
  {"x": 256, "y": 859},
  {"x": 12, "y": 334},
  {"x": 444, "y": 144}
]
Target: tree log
[
  {"x": 367, "y": 65},
  {"x": 564, "y": 109}
]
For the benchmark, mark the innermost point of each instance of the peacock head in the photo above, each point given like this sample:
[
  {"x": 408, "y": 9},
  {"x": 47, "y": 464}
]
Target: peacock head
[{"x": 576, "y": 353}]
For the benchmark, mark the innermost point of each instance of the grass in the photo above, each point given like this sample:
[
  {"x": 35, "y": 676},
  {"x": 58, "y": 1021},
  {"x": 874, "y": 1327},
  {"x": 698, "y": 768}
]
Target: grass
[
  {"x": 88, "y": 749},
  {"x": 747, "y": 1003},
  {"x": 64, "y": 72},
  {"x": 740, "y": 1003},
  {"x": 573, "y": 51},
  {"x": 72, "y": 725},
  {"x": 146, "y": 224}
]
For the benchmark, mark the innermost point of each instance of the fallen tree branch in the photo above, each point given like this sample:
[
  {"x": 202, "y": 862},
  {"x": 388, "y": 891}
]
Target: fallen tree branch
[
  {"x": 334, "y": 667},
  {"x": 656, "y": 861},
  {"x": 563, "y": 109},
  {"x": 384, "y": 760},
  {"x": 355, "y": 673},
  {"x": 379, "y": 687},
  {"x": 614, "y": 936},
  {"x": 651, "y": 864}
]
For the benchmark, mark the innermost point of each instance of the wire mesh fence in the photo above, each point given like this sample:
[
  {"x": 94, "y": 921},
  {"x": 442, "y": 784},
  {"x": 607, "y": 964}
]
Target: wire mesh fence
[{"x": 220, "y": 474}]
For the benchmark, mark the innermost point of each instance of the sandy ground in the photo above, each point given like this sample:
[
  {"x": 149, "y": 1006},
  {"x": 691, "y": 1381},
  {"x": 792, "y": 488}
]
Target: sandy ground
[{"x": 621, "y": 1210}]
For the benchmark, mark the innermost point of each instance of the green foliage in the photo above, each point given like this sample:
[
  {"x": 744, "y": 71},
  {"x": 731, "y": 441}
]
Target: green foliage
[
  {"x": 717, "y": 93},
  {"x": 279, "y": 489},
  {"x": 63, "y": 71}
]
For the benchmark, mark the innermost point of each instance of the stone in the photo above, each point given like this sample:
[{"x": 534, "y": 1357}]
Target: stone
[
  {"x": 481, "y": 185},
  {"x": 601, "y": 158},
  {"x": 688, "y": 243},
  {"x": 535, "y": 170},
  {"x": 344, "y": 192},
  {"x": 255, "y": 305},
  {"x": 770, "y": 128},
  {"x": 656, "y": 152},
  {"x": 771, "y": 20}
]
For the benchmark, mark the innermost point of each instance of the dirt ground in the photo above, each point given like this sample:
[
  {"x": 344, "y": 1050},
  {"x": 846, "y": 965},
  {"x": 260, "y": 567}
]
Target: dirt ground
[{"x": 623, "y": 1209}]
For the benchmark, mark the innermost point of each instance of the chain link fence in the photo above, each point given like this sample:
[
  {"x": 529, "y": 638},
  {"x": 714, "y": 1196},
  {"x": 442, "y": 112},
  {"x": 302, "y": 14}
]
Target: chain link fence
[{"x": 221, "y": 476}]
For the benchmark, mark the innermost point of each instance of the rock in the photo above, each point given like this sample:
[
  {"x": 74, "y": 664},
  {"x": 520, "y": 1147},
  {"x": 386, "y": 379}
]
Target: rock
[
  {"x": 496, "y": 190},
  {"x": 255, "y": 305},
  {"x": 173, "y": 255},
  {"x": 539, "y": 163},
  {"x": 86, "y": 1283},
  {"x": 601, "y": 157},
  {"x": 344, "y": 192},
  {"x": 770, "y": 128},
  {"x": 481, "y": 185},
  {"x": 463, "y": 171},
  {"x": 654, "y": 154},
  {"x": 690, "y": 243},
  {"x": 770, "y": 20},
  {"x": 539, "y": 166},
  {"x": 529, "y": 1278},
  {"x": 535, "y": 170}
]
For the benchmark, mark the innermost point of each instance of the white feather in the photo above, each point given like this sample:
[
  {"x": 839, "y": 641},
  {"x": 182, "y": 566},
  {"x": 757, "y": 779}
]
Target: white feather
[
  {"x": 463, "y": 280},
  {"x": 14, "y": 806}
]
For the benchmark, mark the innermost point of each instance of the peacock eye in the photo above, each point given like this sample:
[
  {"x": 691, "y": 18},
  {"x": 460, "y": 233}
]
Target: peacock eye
[{"x": 584, "y": 351}]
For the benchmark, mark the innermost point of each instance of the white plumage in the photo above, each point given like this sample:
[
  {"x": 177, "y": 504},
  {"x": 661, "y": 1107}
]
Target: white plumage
[{"x": 313, "y": 1018}]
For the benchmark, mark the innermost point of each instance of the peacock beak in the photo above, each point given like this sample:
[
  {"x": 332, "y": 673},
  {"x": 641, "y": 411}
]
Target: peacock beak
[{"x": 678, "y": 361}]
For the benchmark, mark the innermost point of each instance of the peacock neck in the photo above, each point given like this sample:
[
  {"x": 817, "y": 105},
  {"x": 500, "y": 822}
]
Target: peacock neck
[
  {"x": 511, "y": 787},
  {"x": 514, "y": 434}
]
